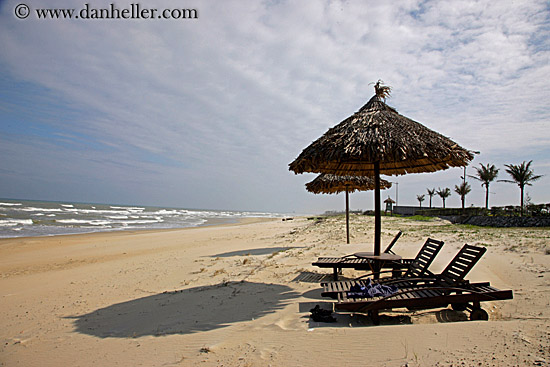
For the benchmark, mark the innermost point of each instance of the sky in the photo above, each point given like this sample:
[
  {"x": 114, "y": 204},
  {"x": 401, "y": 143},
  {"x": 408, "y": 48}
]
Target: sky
[{"x": 208, "y": 112}]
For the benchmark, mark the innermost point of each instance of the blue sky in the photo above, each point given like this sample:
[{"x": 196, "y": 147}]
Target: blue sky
[{"x": 209, "y": 112}]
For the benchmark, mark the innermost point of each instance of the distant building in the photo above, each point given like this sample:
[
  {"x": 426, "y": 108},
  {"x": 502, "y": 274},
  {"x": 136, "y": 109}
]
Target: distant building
[{"x": 406, "y": 210}]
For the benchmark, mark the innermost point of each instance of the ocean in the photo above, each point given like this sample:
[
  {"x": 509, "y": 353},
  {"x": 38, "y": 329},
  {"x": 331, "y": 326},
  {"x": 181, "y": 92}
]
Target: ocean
[{"x": 20, "y": 218}]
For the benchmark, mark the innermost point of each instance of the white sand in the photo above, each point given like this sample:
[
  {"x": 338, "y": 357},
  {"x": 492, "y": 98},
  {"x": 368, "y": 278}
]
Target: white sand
[{"x": 239, "y": 295}]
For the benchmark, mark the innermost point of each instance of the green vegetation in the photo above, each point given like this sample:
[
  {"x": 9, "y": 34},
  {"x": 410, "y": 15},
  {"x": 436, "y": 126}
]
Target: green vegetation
[
  {"x": 463, "y": 190},
  {"x": 444, "y": 194},
  {"x": 420, "y": 199},
  {"x": 522, "y": 175},
  {"x": 486, "y": 174},
  {"x": 420, "y": 218},
  {"x": 431, "y": 193}
]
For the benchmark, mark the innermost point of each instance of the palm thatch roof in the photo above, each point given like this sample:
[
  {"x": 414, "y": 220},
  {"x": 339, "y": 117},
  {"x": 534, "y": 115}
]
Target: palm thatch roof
[
  {"x": 389, "y": 200},
  {"x": 378, "y": 140},
  {"x": 332, "y": 184},
  {"x": 378, "y": 133}
]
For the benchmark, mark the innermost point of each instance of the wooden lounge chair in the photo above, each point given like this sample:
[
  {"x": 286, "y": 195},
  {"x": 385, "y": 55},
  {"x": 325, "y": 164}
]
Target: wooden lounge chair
[
  {"x": 465, "y": 297},
  {"x": 418, "y": 268},
  {"x": 353, "y": 262},
  {"x": 448, "y": 287}
]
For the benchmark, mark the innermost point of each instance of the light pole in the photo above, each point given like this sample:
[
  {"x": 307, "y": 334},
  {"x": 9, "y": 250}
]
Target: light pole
[{"x": 396, "y": 193}]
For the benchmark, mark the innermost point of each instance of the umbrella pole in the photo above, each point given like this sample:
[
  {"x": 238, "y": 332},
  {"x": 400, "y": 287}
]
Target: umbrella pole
[
  {"x": 347, "y": 215},
  {"x": 377, "y": 215}
]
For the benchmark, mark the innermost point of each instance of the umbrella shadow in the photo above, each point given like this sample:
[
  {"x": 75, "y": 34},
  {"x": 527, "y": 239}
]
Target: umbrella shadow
[
  {"x": 447, "y": 315},
  {"x": 255, "y": 252},
  {"x": 185, "y": 311},
  {"x": 312, "y": 277}
]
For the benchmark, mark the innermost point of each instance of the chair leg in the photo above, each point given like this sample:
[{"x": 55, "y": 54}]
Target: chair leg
[
  {"x": 335, "y": 273},
  {"x": 375, "y": 317},
  {"x": 479, "y": 314},
  {"x": 396, "y": 273}
]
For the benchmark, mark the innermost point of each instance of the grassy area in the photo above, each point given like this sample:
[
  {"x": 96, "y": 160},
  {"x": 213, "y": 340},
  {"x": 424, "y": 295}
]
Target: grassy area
[{"x": 420, "y": 218}]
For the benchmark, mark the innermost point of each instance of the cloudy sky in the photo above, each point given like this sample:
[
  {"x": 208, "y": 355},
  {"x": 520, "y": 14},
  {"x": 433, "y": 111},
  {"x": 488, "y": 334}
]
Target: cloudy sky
[{"x": 209, "y": 112}]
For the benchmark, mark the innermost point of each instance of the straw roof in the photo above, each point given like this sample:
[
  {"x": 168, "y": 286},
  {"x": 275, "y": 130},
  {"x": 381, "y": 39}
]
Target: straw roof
[
  {"x": 330, "y": 184},
  {"x": 377, "y": 132}
]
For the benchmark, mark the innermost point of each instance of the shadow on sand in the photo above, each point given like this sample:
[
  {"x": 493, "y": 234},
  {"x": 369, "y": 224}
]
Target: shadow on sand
[
  {"x": 311, "y": 277},
  {"x": 185, "y": 311},
  {"x": 255, "y": 251}
]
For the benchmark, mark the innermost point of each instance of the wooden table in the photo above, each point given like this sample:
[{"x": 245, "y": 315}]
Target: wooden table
[{"x": 378, "y": 261}]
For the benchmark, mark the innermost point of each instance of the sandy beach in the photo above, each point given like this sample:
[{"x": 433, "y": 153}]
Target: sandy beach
[{"x": 240, "y": 294}]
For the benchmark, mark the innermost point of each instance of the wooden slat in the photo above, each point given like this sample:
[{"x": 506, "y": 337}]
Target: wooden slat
[{"x": 424, "y": 298}]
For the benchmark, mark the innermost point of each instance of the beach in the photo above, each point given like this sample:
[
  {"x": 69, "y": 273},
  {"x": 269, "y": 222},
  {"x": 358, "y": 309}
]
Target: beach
[{"x": 239, "y": 295}]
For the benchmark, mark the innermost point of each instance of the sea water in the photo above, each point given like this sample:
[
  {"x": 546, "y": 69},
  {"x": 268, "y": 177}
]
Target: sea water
[{"x": 19, "y": 218}]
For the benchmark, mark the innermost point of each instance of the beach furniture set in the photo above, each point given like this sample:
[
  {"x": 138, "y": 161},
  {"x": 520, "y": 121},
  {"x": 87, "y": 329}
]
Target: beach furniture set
[
  {"x": 417, "y": 288},
  {"x": 387, "y": 259}
]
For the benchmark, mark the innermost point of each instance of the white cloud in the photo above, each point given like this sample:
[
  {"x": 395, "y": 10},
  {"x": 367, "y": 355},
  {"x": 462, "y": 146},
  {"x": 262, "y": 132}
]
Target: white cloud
[{"x": 231, "y": 98}]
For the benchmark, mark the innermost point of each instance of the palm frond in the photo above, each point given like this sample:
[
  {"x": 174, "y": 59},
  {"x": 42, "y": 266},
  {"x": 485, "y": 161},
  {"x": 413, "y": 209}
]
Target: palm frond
[{"x": 382, "y": 91}]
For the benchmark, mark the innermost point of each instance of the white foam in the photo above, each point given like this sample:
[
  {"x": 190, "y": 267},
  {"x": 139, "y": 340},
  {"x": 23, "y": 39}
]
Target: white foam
[
  {"x": 72, "y": 221},
  {"x": 76, "y": 218},
  {"x": 94, "y": 222},
  {"x": 14, "y": 222},
  {"x": 143, "y": 221},
  {"x": 32, "y": 209},
  {"x": 129, "y": 208},
  {"x": 166, "y": 212}
]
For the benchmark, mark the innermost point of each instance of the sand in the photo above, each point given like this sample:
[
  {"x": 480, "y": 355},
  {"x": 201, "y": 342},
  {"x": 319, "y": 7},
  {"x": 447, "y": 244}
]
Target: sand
[{"x": 239, "y": 295}]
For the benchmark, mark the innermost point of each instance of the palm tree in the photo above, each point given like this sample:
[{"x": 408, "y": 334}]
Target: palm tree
[
  {"x": 431, "y": 193},
  {"x": 463, "y": 190},
  {"x": 522, "y": 175},
  {"x": 420, "y": 199},
  {"x": 486, "y": 174},
  {"x": 444, "y": 194}
]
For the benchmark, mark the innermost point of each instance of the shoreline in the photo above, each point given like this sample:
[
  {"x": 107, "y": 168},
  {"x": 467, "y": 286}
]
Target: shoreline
[
  {"x": 40, "y": 218},
  {"x": 210, "y": 222},
  {"x": 239, "y": 294}
]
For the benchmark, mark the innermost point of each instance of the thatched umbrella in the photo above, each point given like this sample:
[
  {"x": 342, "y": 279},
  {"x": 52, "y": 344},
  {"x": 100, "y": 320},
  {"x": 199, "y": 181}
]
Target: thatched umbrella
[
  {"x": 331, "y": 184},
  {"x": 378, "y": 140}
]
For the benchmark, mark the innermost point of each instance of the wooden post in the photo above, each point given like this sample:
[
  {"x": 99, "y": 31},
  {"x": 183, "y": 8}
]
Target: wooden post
[
  {"x": 377, "y": 215},
  {"x": 347, "y": 215}
]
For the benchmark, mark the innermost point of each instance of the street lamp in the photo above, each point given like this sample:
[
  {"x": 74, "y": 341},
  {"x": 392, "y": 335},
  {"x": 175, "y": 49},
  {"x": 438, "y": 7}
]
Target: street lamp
[{"x": 396, "y": 192}]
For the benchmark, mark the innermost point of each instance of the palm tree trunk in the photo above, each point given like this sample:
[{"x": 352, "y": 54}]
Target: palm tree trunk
[
  {"x": 487, "y": 197},
  {"x": 521, "y": 201}
]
